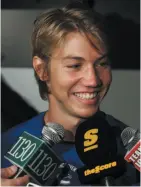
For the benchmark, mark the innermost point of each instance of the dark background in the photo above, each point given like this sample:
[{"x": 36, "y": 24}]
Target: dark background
[{"x": 122, "y": 25}]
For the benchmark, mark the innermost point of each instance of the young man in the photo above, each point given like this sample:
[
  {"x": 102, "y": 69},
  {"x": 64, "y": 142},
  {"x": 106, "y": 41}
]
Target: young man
[{"x": 70, "y": 59}]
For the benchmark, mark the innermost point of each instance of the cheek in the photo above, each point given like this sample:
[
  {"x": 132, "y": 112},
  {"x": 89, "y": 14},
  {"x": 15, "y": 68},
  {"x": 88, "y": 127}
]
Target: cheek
[
  {"x": 62, "y": 81},
  {"x": 106, "y": 77}
]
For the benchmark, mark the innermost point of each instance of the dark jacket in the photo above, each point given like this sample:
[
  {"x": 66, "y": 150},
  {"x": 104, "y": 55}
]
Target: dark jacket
[{"x": 67, "y": 151}]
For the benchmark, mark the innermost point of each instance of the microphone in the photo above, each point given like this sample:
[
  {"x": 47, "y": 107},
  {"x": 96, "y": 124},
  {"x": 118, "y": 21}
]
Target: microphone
[
  {"x": 104, "y": 173},
  {"x": 132, "y": 143},
  {"x": 35, "y": 157},
  {"x": 108, "y": 181},
  {"x": 96, "y": 146}
]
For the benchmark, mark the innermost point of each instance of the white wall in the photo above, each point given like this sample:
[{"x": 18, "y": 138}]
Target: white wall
[{"x": 122, "y": 100}]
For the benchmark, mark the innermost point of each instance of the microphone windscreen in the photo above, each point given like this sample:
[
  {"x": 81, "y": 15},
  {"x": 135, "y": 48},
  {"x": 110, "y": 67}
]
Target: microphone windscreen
[
  {"x": 53, "y": 133},
  {"x": 95, "y": 141},
  {"x": 93, "y": 175},
  {"x": 130, "y": 137}
]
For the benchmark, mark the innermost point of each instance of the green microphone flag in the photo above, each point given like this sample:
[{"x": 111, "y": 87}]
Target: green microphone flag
[{"x": 36, "y": 158}]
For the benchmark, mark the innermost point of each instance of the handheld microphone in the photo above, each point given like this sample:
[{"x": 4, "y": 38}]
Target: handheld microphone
[
  {"x": 104, "y": 173},
  {"x": 96, "y": 146},
  {"x": 35, "y": 157},
  {"x": 131, "y": 141}
]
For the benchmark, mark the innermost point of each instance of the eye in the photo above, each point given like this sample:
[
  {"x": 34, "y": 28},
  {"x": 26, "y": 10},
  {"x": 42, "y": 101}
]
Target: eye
[
  {"x": 104, "y": 63},
  {"x": 75, "y": 66}
]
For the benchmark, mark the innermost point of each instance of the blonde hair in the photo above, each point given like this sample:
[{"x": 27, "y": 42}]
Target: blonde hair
[{"x": 52, "y": 26}]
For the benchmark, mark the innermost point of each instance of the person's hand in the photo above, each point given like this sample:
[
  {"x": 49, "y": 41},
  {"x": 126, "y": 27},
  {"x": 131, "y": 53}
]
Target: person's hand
[{"x": 9, "y": 172}]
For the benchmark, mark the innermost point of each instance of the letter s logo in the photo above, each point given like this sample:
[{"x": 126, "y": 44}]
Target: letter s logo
[{"x": 91, "y": 138}]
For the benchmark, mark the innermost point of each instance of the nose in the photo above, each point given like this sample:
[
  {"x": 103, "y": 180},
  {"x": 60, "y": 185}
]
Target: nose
[{"x": 91, "y": 77}]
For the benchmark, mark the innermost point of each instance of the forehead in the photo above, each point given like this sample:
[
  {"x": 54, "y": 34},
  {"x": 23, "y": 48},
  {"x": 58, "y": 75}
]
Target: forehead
[{"x": 77, "y": 44}]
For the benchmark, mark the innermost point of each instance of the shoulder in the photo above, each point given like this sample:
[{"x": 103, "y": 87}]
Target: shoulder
[
  {"x": 115, "y": 122},
  {"x": 30, "y": 126},
  {"x": 33, "y": 126},
  {"x": 117, "y": 128},
  {"x": 117, "y": 125},
  {"x": 131, "y": 175}
]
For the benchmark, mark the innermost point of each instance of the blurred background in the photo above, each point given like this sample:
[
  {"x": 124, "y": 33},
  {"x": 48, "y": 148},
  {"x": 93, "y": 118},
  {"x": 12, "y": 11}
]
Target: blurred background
[{"x": 20, "y": 96}]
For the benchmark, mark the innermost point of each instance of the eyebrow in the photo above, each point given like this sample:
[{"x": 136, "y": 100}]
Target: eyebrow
[
  {"x": 83, "y": 59},
  {"x": 103, "y": 56},
  {"x": 73, "y": 57}
]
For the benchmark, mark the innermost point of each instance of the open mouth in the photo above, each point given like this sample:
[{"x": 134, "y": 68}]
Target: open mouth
[{"x": 88, "y": 96}]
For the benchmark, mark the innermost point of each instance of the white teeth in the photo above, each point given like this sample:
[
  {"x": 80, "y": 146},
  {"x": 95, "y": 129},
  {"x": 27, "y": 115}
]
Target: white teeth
[{"x": 86, "y": 95}]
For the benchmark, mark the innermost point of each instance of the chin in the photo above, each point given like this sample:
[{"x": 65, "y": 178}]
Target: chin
[{"x": 88, "y": 113}]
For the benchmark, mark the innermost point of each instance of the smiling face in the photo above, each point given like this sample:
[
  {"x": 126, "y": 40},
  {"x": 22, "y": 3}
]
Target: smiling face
[{"x": 80, "y": 77}]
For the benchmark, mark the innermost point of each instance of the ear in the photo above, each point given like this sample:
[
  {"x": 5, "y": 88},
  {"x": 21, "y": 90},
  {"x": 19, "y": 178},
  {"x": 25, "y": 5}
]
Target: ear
[{"x": 40, "y": 68}]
